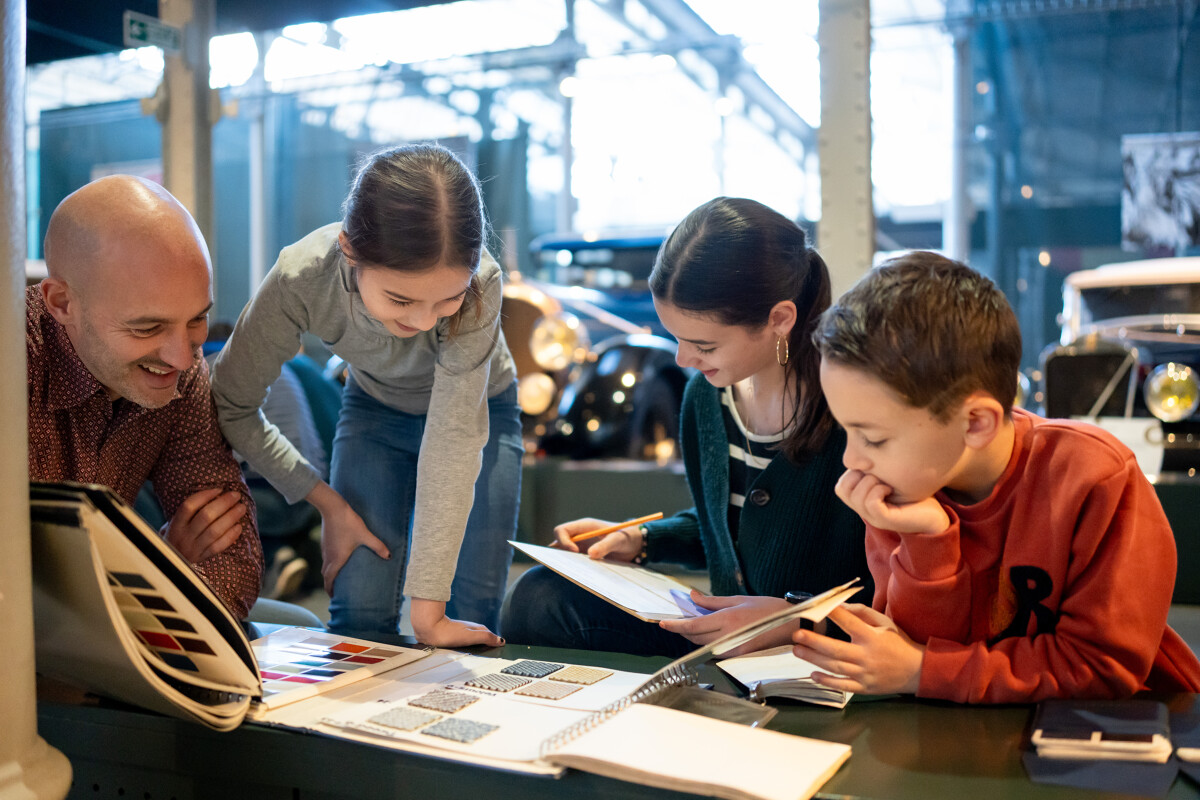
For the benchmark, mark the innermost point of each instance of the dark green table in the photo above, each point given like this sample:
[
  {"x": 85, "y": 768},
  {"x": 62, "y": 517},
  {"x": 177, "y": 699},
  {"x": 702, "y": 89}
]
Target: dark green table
[{"x": 902, "y": 748}]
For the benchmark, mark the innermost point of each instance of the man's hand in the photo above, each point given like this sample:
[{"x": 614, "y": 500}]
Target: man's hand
[
  {"x": 206, "y": 523},
  {"x": 432, "y": 626},
  {"x": 729, "y": 614},
  {"x": 342, "y": 532},
  {"x": 622, "y": 545},
  {"x": 868, "y": 497},
  {"x": 878, "y": 659}
]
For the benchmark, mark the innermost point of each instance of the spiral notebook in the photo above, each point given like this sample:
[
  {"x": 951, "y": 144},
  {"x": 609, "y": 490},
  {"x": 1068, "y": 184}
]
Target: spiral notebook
[{"x": 118, "y": 612}]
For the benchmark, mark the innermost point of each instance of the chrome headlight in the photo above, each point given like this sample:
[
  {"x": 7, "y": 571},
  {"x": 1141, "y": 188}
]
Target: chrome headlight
[
  {"x": 535, "y": 393},
  {"x": 557, "y": 341},
  {"x": 1023, "y": 388},
  {"x": 1172, "y": 392}
]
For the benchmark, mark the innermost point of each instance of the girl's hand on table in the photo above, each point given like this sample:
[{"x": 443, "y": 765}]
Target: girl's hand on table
[{"x": 431, "y": 626}]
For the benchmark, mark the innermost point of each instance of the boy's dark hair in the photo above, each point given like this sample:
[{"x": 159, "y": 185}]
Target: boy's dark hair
[
  {"x": 932, "y": 329},
  {"x": 413, "y": 207},
  {"x": 735, "y": 259}
]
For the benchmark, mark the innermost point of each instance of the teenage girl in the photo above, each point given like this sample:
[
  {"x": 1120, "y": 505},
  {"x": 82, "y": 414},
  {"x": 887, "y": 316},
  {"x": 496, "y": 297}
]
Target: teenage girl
[
  {"x": 426, "y": 460},
  {"x": 740, "y": 289}
]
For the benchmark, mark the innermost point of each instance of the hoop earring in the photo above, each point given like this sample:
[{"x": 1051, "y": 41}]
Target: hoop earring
[{"x": 781, "y": 355}]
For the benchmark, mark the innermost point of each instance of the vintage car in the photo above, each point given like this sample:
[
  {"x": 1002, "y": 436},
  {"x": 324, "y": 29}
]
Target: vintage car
[
  {"x": 596, "y": 377},
  {"x": 1129, "y": 358},
  {"x": 617, "y": 398}
]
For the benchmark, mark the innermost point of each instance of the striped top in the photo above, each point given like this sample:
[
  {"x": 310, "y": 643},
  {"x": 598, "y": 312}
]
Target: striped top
[{"x": 749, "y": 455}]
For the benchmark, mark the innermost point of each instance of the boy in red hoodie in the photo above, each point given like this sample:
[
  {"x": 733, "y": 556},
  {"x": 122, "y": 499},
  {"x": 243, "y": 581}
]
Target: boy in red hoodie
[{"x": 1015, "y": 558}]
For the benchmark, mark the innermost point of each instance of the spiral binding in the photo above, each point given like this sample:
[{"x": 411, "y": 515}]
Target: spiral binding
[{"x": 676, "y": 675}]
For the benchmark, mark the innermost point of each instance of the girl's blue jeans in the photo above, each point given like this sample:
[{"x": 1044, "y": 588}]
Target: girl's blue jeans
[{"x": 374, "y": 467}]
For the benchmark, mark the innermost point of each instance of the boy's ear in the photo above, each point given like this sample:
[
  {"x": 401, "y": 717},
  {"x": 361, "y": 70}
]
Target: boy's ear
[{"x": 984, "y": 418}]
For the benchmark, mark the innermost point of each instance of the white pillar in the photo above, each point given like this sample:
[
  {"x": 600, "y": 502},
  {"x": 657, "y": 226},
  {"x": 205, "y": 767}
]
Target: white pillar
[
  {"x": 29, "y": 768},
  {"x": 191, "y": 110},
  {"x": 956, "y": 222},
  {"x": 846, "y": 233}
]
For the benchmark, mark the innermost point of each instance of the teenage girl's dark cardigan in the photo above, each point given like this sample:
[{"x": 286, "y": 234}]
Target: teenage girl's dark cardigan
[{"x": 794, "y": 534}]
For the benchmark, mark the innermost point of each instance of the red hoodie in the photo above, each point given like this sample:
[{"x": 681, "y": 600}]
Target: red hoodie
[{"x": 1056, "y": 585}]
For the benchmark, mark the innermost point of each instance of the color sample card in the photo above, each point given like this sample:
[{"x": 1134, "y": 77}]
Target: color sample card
[
  {"x": 316, "y": 658},
  {"x": 496, "y": 682},
  {"x": 156, "y": 623},
  {"x": 549, "y": 691},
  {"x": 460, "y": 730},
  {"x": 445, "y": 700},
  {"x": 532, "y": 669},
  {"x": 404, "y": 718},
  {"x": 584, "y": 675}
]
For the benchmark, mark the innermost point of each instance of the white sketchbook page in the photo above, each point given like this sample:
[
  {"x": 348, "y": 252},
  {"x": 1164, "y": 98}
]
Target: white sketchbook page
[
  {"x": 642, "y": 592},
  {"x": 672, "y": 749},
  {"x": 83, "y": 639},
  {"x": 442, "y": 668},
  {"x": 519, "y": 730},
  {"x": 523, "y": 722}
]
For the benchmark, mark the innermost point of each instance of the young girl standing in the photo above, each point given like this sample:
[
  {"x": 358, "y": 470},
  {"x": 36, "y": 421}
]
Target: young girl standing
[
  {"x": 740, "y": 289},
  {"x": 428, "y": 444}
]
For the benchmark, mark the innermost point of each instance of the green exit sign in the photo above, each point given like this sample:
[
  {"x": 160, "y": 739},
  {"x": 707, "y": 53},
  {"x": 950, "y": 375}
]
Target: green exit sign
[{"x": 142, "y": 30}]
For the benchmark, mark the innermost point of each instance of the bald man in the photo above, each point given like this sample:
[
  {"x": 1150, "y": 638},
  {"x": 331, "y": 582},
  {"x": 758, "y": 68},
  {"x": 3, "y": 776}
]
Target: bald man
[{"x": 118, "y": 392}]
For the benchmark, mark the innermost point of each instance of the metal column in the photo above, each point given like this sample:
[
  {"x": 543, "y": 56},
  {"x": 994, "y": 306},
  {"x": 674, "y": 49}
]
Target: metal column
[
  {"x": 846, "y": 233},
  {"x": 29, "y": 768}
]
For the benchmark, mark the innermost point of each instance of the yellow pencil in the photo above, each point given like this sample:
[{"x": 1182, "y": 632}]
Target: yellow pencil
[{"x": 579, "y": 537}]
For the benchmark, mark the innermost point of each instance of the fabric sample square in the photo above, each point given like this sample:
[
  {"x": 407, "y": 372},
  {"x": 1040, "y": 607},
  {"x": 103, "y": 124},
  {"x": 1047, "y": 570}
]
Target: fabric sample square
[
  {"x": 403, "y": 718},
  {"x": 532, "y": 669},
  {"x": 444, "y": 700},
  {"x": 460, "y": 730},
  {"x": 577, "y": 674},
  {"x": 495, "y": 682},
  {"x": 549, "y": 691}
]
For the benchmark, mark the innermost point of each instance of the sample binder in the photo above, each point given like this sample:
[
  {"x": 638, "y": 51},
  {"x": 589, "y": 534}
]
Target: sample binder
[{"x": 120, "y": 613}]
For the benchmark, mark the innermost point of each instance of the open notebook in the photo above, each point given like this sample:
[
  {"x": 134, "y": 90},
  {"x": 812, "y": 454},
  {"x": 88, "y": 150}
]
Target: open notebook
[
  {"x": 120, "y": 613},
  {"x": 538, "y": 717}
]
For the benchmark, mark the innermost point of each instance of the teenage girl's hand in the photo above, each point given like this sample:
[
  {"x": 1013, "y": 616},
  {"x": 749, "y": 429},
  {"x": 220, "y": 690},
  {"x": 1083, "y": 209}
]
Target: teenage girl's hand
[
  {"x": 206, "y": 523},
  {"x": 879, "y": 658},
  {"x": 868, "y": 496},
  {"x": 729, "y": 614},
  {"x": 432, "y": 626},
  {"x": 342, "y": 531},
  {"x": 622, "y": 545}
]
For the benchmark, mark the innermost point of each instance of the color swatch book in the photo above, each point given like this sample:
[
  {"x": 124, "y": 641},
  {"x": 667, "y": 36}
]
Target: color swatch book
[
  {"x": 118, "y": 612},
  {"x": 540, "y": 717},
  {"x": 297, "y": 663}
]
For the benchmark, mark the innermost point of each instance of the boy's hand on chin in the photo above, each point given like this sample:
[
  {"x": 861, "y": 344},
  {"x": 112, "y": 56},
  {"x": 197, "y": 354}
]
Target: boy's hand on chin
[{"x": 868, "y": 497}]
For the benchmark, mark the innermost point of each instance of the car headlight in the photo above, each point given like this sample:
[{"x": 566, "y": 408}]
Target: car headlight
[
  {"x": 1172, "y": 391},
  {"x": 535, "y": 393},
  {"x": 557, "y": 341}
]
